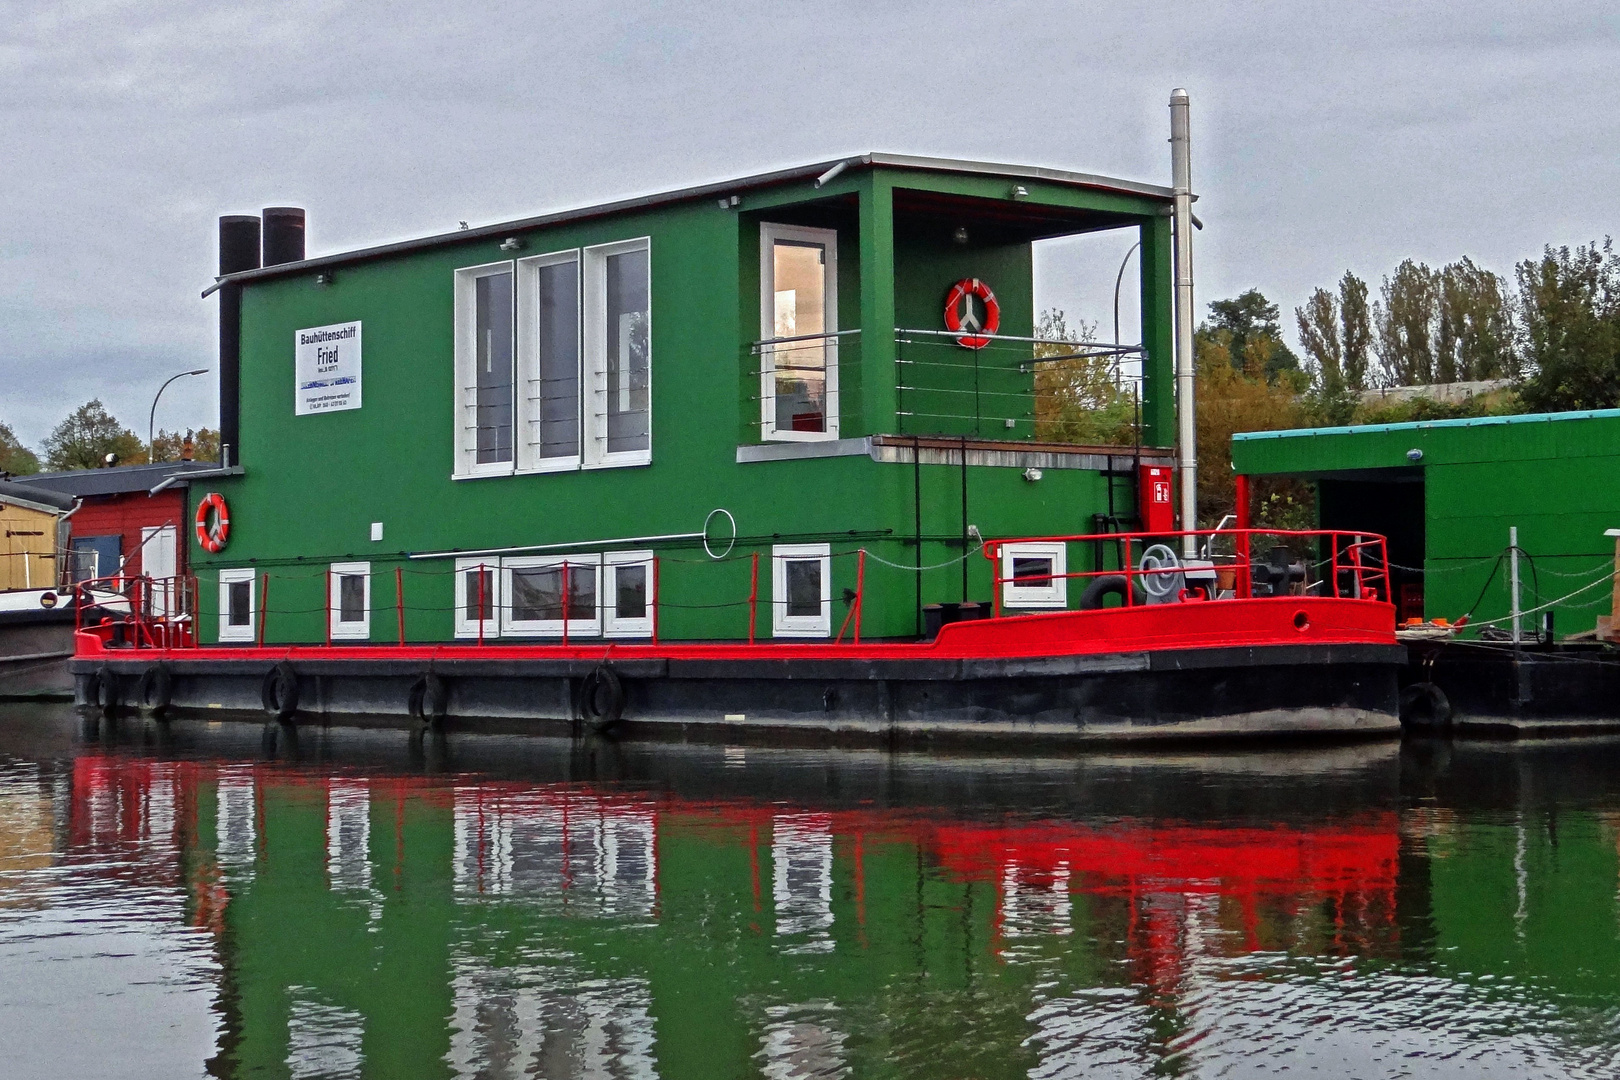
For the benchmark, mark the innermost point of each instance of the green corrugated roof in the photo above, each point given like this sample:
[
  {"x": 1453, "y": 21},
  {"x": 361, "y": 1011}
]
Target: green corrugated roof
[{"x": 1423, "y": 425}]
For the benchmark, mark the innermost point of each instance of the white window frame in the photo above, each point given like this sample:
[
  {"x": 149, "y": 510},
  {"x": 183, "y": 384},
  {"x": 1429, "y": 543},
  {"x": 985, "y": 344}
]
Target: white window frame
[
  {"x": 805, "y": 626},
  {"x": 466, "y": 622},
  {"x": 1054, "y": 595},
  {"x": 227, "y": 578},
  {"x": 526, "y": 450},
  {"x": 612, "y": 625},
  {"x": 348, "y": 631},
  {"x": 769, "y": 233},
  {"x": 580, "y": 562},
  {"x": 466, "y": 357},
  {"x": 593, "y": 326}
]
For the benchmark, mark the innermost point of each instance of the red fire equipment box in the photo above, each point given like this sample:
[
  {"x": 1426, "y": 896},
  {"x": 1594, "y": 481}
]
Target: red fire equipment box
[{"x": 1153, "y": 492}]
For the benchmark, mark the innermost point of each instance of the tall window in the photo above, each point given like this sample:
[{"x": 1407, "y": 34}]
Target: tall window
[
  {"x": 349, "y": 601},
  {"x": 618, "y": 353},
  {"x": 798, "y": 320},
  {"x": 548, "y": 336},
  {"x": 627, "y": 594},
  {"x": 484, "y": 370},
  {"x": 801, "y": 590},
  {"x": 237, "y": 613},
  {"x": 478, "y": 597}
]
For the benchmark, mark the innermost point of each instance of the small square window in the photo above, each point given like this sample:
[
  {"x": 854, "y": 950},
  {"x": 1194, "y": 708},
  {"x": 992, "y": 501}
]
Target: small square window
[
  {"x": 349, "y": 585},
  {"x": 801, "y": 593},
  {"x": 628, "y": 594},
  {"x": 1032, "y": 575}
]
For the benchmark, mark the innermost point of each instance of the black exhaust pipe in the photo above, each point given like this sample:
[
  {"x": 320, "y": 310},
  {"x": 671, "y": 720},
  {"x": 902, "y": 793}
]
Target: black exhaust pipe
[
  {"x": 238, "y": 251},
  {"x": 283, "y": 235}
]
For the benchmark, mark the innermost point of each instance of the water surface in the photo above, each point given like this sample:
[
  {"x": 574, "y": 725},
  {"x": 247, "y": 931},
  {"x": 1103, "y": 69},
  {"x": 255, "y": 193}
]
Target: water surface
[{"x": 238, "y": 901}]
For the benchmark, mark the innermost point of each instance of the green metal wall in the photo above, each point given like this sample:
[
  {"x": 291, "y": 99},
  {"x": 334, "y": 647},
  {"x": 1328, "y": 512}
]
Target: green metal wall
[
  {"x": 314, "y": 484},
  {"x": 1556, "y": 477}
]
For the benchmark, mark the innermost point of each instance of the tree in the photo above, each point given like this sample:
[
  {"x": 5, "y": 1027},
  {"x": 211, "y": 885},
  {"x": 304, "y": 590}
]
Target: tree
[
  {"x": 1355, "y": 328},
  {"x": 1475, "y": 338},
  {"x": 1334, "y": 332},
  {"x": 1319, "y": 336},
  {"x": 87, "y": 436},
  {"x": 1079, "y": 396},
  {"x": 1405, "y": 318},
  {"x": 1251, "y": 321},
  {"x": 1569, "y": 328},
  {"x": 1234, "y": 395},
  {"x": 168, "y": 445},
  {"x": 15, "y": 458}
]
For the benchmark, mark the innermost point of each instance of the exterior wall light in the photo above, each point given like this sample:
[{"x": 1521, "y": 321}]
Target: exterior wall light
[
  {"x": 1032, "y": 474},
  {"x": 1019, "y": 191},
  {"x": 511, "y": 243},
  {"x": 324, "y": 278},
  {"x": 1414, "y": 455}
]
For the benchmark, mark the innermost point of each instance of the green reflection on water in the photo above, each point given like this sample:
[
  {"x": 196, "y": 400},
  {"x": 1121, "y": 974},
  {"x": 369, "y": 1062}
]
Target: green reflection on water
[{"x": 654, "y": 912}]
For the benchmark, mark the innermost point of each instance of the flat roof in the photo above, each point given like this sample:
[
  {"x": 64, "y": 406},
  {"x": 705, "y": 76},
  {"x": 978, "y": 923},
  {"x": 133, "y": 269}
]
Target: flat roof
[
  {"x": 724, "y": 187},
  {"x": 1424, "y": 425},
  {"x": 118, "y": 480}
]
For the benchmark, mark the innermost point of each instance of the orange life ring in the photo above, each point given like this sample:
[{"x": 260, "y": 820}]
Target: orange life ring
[
  {"x": 961, "y": 318},
  {"x": 213, "y": 534}
]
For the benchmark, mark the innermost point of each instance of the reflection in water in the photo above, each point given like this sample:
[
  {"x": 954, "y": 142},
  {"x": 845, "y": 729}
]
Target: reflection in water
[{"x": 495, "y": 907}]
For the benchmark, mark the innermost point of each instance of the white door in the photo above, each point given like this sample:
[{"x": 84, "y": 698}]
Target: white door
[{"x": 158, "y": 563}]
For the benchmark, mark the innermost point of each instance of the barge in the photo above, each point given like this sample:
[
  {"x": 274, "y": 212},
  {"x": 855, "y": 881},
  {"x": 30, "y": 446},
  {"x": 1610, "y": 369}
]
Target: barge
[{"x": 1220, "y": 647}]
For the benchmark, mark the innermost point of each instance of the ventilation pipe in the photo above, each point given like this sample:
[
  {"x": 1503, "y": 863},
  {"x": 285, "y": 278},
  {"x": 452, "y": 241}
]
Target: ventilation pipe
[
  {"x": 238, "y": 251},
  {"x": 1186, "y": 417},
  {"x": 283, "y": 235}
]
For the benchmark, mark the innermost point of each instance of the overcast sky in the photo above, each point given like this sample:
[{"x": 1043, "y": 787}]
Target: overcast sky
[{"x": 1326, "y": 136}]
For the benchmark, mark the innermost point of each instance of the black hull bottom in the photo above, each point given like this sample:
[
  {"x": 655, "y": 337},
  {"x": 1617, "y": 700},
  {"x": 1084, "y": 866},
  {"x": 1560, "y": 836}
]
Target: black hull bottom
[
  {"x": 1270, "y": 692},
  {"x": 34, "y": 653},
  {"x": 1491, "y": 690}
]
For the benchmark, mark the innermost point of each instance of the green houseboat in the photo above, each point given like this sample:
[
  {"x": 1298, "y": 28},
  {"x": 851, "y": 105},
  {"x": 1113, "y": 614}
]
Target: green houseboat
[{"x": 782, "y": 450}]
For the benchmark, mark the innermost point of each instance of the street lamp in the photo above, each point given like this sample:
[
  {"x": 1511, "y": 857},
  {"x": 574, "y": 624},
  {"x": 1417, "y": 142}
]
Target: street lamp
[{"x": 151, "y": 451}]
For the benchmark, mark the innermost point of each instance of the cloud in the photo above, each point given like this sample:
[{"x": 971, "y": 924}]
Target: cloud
[{"x": 1326, "y": 136}]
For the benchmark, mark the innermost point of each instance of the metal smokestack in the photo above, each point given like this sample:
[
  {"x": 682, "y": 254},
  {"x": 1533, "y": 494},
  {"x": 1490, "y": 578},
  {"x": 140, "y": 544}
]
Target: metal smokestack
[
  {"x": 238, "y": 251},
  {"x": 283, "y": 235},
  {"x": 1186, "y": 416}
]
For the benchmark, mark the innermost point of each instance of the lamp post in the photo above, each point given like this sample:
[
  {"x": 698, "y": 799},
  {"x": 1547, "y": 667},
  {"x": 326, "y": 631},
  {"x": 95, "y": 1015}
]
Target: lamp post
[{"x": 151, "y": 451}]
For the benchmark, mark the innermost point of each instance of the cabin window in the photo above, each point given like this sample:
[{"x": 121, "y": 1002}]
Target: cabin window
[
  {"x": 536, "y": 587},
  {"x": 1032, "y": 575},
  {"x": 548, "y": 335},
  {"x": 801, "y": 590},
  {"x": 798, "y": 325},
  {"x": 349, "y": 600},
  {"x": 627, "y": 594},
  {"x": 484, "y": 369},
  {"x": 478, "y": 597},
  {"x": 618, "y": 355},
  {"x": 236, "y": 605}
]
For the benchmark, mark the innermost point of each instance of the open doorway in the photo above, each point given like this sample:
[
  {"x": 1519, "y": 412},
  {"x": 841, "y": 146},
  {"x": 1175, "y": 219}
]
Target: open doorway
[{"x": 1386, "y": 501}]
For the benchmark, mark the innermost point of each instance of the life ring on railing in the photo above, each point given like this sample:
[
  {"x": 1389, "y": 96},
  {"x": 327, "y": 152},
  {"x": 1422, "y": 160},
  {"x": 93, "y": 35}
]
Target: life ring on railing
[
  {"x": 213, "y": 523},
  {"x": 962, "y": 316}
]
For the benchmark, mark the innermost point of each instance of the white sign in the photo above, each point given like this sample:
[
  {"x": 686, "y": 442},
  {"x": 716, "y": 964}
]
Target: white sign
[{"x": 327, "y": 365}]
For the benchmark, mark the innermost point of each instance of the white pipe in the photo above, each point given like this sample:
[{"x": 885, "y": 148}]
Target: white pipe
[
  {"x": 1513, "y": 578},
  {"x": 1186, "y": 417}
]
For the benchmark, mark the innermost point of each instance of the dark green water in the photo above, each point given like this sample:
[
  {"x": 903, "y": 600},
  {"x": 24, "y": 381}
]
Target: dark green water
[{"x": 219, "y": 899}]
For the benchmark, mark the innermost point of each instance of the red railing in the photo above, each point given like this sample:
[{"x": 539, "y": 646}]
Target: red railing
[
  {"x": 1153, "y": 565},
  {"x": 138, "y": 611}
]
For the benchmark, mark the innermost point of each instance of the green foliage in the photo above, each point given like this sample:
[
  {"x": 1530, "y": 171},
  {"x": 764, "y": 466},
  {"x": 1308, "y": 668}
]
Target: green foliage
[
  {"x": 85, "y": 438},
  {"x": 1080, "y": 398},
  {"x": 1250, "y": 320},
  {"x": 1449, "y": 325},
  {"x": 1569, "y": 312},
  {"x": 168, "y": 445},
  {"x": 15, "y": 458}
]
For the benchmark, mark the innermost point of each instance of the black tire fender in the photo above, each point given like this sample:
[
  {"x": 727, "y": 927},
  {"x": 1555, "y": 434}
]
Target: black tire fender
[
  {"x": 280, "y": 691},
  {"x": 155, "y": 689},
  {"x": 1425, "y": 705},
  {"x": 1109, "y": 585},
  {"x": 601, "y": 698},
  {"x": 108, "y": 696},
  {"x": 429, "y": 698}
]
